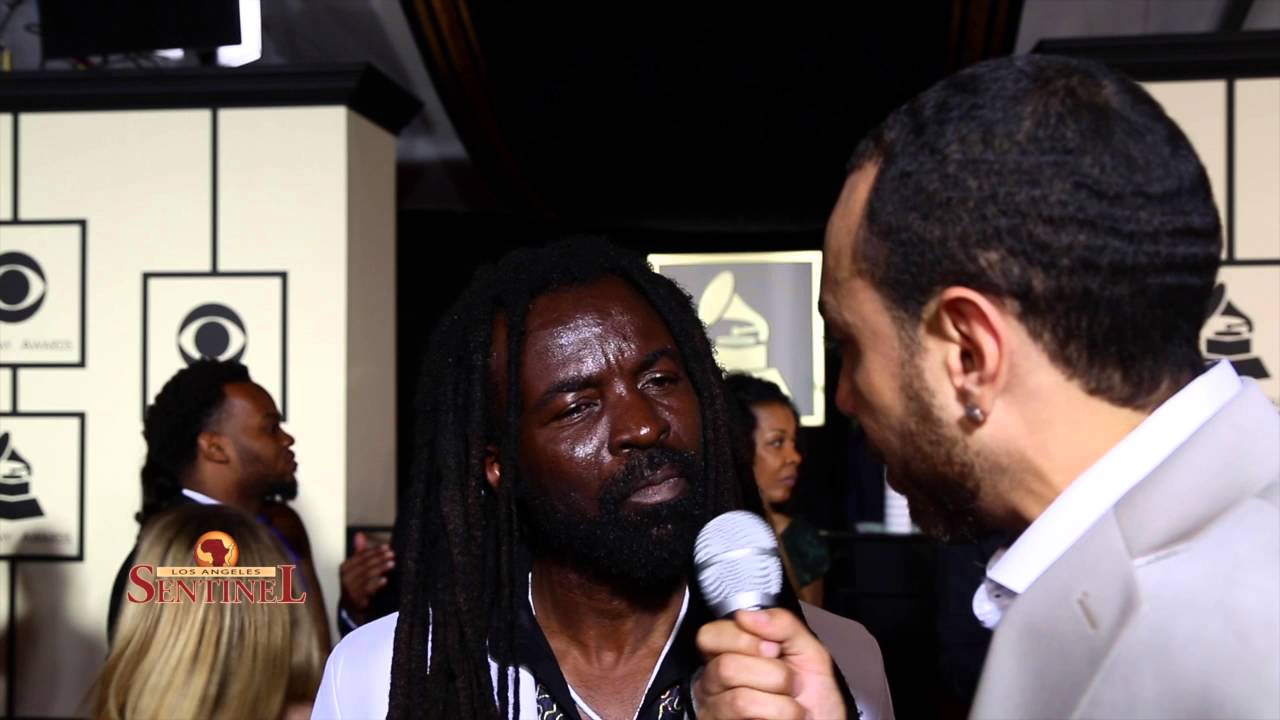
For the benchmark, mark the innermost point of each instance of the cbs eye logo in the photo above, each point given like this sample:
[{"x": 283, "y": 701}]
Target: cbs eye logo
[
  {"x": 212, "y": 331},
  {"x": 22, "y": 287}
]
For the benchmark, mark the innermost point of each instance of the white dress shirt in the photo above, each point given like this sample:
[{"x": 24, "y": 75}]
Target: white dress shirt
[
  {"x": 1010, "y": 572},
  {"x": 199, "y": 497}
]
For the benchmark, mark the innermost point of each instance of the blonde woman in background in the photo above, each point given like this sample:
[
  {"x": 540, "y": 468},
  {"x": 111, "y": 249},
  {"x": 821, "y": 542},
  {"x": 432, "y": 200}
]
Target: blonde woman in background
[{"x": 209, "y": 660}]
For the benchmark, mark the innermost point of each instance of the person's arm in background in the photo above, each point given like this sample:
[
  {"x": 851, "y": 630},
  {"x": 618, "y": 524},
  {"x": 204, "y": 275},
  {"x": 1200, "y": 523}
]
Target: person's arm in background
[
  {"x": 806, "y": 559},
  {"x": 813, "y": 592},
  {"x": 363, "y": 575}
]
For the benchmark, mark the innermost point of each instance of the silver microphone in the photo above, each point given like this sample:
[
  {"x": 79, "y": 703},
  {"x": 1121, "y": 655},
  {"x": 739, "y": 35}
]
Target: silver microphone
[{"x": 736, "y": 558}]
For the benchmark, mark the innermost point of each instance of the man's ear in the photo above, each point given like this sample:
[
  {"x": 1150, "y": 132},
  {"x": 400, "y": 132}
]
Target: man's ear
[
  {"x": 492, "y": 467},
  {"x": 211, "y": 446},
  {"x": 978, "y": 336}
]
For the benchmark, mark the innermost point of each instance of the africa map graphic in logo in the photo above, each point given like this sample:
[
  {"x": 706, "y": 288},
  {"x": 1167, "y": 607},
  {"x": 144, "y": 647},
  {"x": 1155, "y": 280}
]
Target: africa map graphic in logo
[{"x": 216, "y": 549}]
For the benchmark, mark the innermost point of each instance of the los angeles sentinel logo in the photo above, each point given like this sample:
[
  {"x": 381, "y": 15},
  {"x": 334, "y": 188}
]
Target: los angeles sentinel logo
[{"x": 215, "y": 578}]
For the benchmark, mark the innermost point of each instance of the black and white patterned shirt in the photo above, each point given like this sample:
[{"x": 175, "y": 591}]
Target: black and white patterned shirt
[{"x": 669, "y": 695}]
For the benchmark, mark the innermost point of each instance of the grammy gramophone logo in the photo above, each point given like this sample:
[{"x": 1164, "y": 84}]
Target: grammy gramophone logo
[
  {"x": 1230, "y": 336},
  {"x": 16, "y": 500},
  {"x": 739, "y": 332}
]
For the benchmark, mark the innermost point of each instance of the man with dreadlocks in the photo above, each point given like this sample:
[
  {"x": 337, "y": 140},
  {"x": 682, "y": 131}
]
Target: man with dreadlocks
[
  {"x": 574, "y": 440},
  {"x": 215, "y": 437}
]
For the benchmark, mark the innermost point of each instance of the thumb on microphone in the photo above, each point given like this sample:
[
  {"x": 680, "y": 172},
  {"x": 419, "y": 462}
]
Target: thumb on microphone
[
  {"x": 780, "y": 636},
  {"x": 778, "y": 627}
]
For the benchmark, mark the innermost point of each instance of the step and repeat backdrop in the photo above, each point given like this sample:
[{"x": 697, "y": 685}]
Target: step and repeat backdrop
[
  {"x": 131, "y": 243},
  {"x": 1234, "y": 125}
]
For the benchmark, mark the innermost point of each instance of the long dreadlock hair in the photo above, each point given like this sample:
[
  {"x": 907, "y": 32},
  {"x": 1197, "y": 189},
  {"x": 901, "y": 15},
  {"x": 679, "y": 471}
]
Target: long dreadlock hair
[
  {"x": 183, "y": 409},
  {"x": 462, "y": 537}
]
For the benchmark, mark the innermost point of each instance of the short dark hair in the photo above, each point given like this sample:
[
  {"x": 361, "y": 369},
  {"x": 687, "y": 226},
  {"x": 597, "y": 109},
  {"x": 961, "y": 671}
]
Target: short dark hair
[
  {"x": 183, "y": 409},
  {"x": 1062, "y": 188}
]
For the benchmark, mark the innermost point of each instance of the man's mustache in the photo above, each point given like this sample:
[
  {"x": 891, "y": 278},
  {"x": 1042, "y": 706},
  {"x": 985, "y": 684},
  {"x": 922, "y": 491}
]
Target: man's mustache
[{"x": 639, "y": 467}]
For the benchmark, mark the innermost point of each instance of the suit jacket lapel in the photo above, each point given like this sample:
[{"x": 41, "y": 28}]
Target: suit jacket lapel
[
  {"x": 1053, "y": 637},
  {"x": 1231, "y": 457}
]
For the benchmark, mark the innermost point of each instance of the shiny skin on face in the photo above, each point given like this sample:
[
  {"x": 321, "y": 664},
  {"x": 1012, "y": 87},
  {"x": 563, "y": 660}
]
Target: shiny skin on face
[{"x": 601, "y": 381}]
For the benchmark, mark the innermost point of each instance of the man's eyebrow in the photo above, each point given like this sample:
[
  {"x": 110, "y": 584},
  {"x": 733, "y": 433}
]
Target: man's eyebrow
[
  {"x": 578, "y": 383},
  {"x": 572, "y": 384},
  {"x": 653, "y": 357}
]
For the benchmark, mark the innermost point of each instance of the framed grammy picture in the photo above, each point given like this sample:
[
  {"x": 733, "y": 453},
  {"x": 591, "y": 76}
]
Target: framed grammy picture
[{"x": 761, "y": 313}]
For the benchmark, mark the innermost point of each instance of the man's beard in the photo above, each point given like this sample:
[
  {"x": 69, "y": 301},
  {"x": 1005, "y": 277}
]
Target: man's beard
[
  {"x": 283, "y": 489},
  {"x": 642, "y": 551},
  {"x": 932, "y": 468}
]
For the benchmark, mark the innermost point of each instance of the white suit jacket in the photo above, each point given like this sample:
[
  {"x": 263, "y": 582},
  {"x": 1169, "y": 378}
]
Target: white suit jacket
[{"x": 1169, "y": 606}]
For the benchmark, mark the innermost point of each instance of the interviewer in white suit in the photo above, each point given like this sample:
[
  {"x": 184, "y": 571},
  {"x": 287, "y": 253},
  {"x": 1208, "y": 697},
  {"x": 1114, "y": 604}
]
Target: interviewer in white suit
[{"x": 1016, "y": 272}]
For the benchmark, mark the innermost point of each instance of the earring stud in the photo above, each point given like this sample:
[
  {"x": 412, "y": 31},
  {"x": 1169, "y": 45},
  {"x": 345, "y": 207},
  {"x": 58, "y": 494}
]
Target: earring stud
[{"x": 974, "y": 413}]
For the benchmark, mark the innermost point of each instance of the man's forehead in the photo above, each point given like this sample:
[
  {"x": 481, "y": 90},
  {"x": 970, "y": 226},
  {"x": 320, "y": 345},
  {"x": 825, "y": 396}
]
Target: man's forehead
[
  {"x": 608, "y": 315},
  {"x": 839, "y": 262},
  {"x": 243, "y": 405},
  {"x": 249, "y": 398},
  {"x": 567, "y": 319},
  {"x": 846, "y": 220},
  {"x": 567, "y": 306}
]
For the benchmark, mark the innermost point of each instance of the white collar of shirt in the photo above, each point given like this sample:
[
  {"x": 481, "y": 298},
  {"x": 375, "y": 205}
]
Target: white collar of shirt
[
  {"x": 1098, "y": 489},
  {"x": 199, "y": 497}
]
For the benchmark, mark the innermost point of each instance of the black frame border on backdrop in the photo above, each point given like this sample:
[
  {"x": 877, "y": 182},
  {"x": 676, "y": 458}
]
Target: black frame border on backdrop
[
  {"x": 1199, "y": 56},
  {"x": 363, "y": 88},
  {"x": 79, "y": 556},
  {"x": 84, "y": 290},
  {"x": 283, "y": 276},
  {"x": 11, "y": 644}
]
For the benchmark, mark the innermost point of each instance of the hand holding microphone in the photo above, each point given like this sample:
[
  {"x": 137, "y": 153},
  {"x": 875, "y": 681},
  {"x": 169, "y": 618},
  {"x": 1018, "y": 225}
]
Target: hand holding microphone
[{"x": 762, "y": 662}]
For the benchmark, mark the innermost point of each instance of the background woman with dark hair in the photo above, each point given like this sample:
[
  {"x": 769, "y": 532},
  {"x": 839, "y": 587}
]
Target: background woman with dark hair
[{"x": 768, "y": 429}]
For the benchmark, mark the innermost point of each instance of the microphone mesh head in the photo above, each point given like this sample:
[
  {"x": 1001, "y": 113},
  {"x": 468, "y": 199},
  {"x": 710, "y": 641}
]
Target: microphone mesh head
[{"x": 736, "y": 557}]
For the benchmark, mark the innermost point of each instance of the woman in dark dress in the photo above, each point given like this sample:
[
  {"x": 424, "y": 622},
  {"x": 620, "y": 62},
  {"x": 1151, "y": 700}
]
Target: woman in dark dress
[{"x": 768, "y": 426}]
